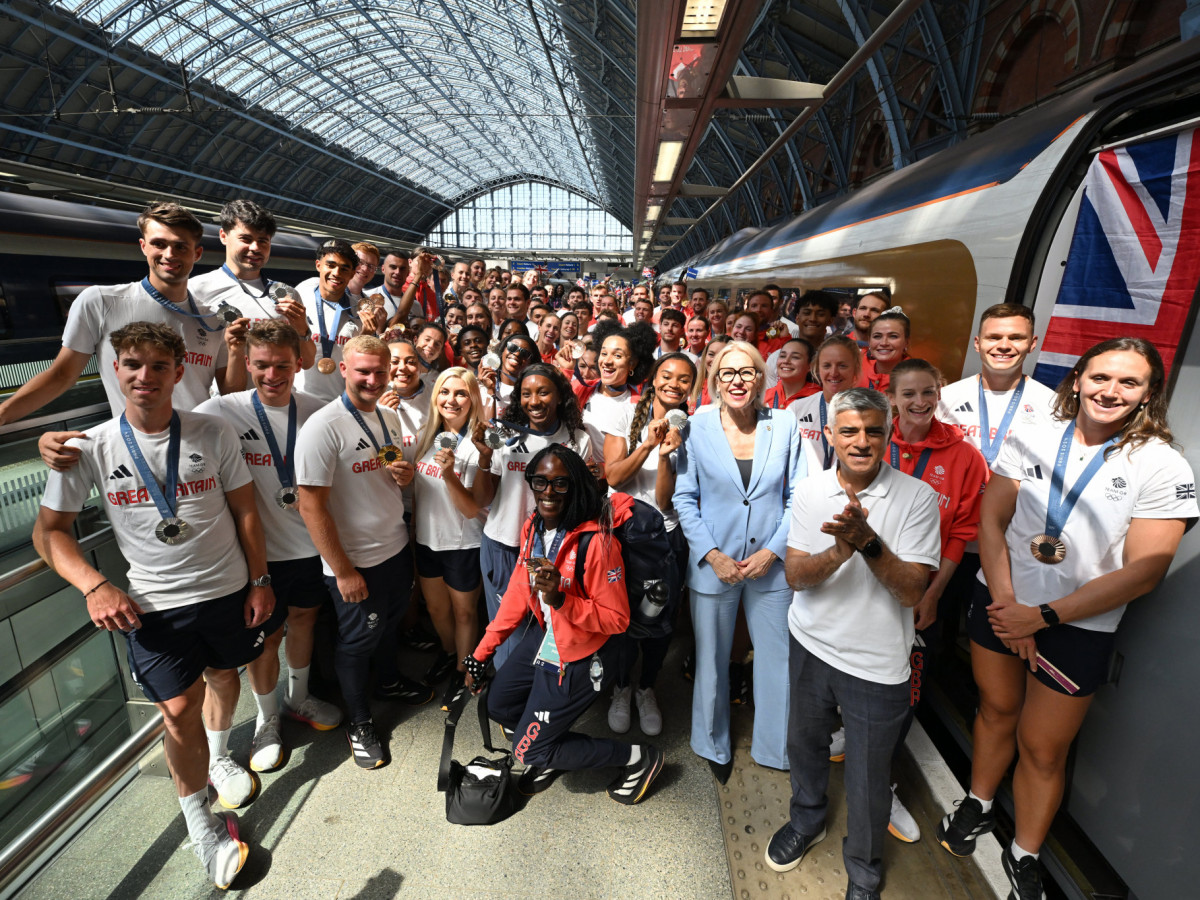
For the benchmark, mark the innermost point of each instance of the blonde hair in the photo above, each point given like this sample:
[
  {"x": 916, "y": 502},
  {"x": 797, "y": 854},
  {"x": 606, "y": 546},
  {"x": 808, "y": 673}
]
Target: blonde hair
[
  {"x": 367, "y": 345},
  {"x": 756, "y": 360},
  {"x": 435, "y": 424}
]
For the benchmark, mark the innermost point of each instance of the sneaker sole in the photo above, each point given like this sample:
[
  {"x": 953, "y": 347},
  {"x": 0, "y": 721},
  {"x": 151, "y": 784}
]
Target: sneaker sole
[
  {"x": 662, "y": 760},
  {"x": 787, "y": 867},
  {"x": 361, "y": 764},
  {"x": 841, "y": 757},
  {"x": 320, "y": 726},
  {"x": 901, "y": 836},
  {"x": 231, "y": 828},
  {"x": 268, "y": 768},
  {"x": 225, "y": 803}
]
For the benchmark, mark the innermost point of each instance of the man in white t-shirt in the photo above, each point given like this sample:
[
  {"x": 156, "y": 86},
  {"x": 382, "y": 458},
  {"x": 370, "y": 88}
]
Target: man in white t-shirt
[
  {"x": 639, "y": 292},
  {"x": 351, "y": 474},
  {"x": 170, "y": 242},
  {"x": 851, "y": 623},
  {"x": 331, "y": 321},
  {"x": 179, "y": 498},
  {"x": 267, "y": 420},
  {"x": 247, "y": 230}
]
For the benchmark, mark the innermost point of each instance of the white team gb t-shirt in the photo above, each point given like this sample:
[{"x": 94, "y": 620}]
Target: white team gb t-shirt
[
  {"x": 439, "y": 524},
  {"x": 98, "y": 311},
  {"x": 366, "y": 503},
  {"x": 644, "y": 481},
  {"x": 851, "y": 621},
  {"x": 1152, "y": 482},
  {"x": 603, "y": 414},
  {"x": 287, "y": 537},
  {"x": 340, "y": 325},
  {"x": 960, "y": 406},
  {"x": 248, "y": 297},
  {"x": 210, "y": 563}
]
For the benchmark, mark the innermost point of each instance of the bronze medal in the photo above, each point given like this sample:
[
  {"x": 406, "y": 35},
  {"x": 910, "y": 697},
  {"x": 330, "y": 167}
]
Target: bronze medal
[
  {"x": 325, "y": 365},
  {"x": 772, "y": 332},
  {"x": 1048, "y": 549},
  {"x": 388, "y": 454}
]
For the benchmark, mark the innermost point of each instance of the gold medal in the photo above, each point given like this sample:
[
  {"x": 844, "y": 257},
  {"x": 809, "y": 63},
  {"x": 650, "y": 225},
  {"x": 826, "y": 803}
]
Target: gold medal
[
  {"x": 772, "y": 332},
  {"x": 325, "y": 365},
  {"x": 1048, "y": 549},
  {"x": 388, "y": 454}
]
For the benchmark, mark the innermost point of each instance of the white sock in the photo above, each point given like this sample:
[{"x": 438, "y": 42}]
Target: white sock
[
  {"x": 218, "y": 744},
  {"x": 635, "y": 754},
  {"x": 296, "y": 688},
  {"x": 196, "y": 813},
  {"x": 986, "y": 804},
  {"x": 268, "y": 705},
  {"x": 1019, "y": 853}
]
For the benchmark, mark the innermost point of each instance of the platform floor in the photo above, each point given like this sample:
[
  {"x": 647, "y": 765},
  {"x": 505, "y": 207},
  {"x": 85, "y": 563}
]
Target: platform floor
[{"x": 323, "y": 828}]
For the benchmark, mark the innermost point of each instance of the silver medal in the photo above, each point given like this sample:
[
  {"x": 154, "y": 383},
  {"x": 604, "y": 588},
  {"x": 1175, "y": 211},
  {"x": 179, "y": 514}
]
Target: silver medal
[
  {"x": 490, "y": 360},
  {"x": 447, "y": 440},
  {"x": 676, "y": 418},
  {"x": 492, "y": 438},
  {"x": 287, "y": 497},
  {"x": 173, "y": 530},
  {"x": 228, "y": 314},
  {"x": 280, "y": 292}
]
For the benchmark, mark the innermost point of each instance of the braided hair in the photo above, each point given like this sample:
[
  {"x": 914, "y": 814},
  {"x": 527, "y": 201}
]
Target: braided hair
[{"x": 645, "y": 405}]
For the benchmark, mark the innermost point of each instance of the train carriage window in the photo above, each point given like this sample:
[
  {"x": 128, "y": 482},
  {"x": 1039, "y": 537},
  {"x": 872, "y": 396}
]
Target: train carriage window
[{"x": 5, "y": 316}]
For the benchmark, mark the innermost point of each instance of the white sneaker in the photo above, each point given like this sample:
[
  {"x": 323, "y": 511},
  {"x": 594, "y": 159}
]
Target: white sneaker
[
  {"x": 837, "y": 746},
  {"x": 649, "y": 715},
  {"x": 221, "y": 852},
  {"x": 320, "y": 714},
  {"x": 618, "y": 712},
  {"x": 235, "y": 786},
  {"x": 266, "y": 748},
  {"x": 901, "y": 824}
]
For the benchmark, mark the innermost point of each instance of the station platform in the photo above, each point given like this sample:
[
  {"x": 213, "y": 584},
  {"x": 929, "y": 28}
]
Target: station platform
[{"x": 320, "y": 827}]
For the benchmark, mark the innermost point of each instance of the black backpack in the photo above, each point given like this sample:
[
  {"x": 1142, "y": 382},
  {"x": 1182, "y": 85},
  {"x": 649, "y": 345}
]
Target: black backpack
[{"x": 651, "y": 575}]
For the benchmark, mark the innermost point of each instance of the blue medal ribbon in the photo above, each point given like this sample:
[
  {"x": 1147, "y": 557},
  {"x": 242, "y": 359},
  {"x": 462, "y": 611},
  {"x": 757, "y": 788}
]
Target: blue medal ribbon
[
  {"x": 1058, "y": 508},
  {"x": 922, "y": 460},
  {"x": 989, "y": 447},
  {"x": 157, "y": 297},
  {"x": 165, "y": 499},
  {"x": 825, "y": 443},
  {"x": 267, "y": 282},
  {"x": 539, "y": 545},
  {"x": 522, "y": 429},
  {"x": 363, "y": 425},
  {"x": 326, "y": 343},
  {"x": 283, "y": 462}
]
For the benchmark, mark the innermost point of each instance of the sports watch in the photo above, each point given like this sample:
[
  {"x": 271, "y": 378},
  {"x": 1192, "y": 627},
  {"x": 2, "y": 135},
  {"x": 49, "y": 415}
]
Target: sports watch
[
  {"x": 1049, "y": 616},
  {"x": 872, "y": 549},
  {"x": 261, "y": 581}
]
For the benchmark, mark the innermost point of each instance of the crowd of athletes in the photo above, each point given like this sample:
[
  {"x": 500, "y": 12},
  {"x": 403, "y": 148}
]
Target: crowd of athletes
[{"x": 454, "y": 446}]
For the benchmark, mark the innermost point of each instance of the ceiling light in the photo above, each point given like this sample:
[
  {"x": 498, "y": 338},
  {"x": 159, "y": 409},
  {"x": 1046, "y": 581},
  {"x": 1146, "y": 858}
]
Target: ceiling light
[
  {"x": 702, "y": 18},
  {"x": 653, "y": 212},
  {"x": 668, "y": 160}
]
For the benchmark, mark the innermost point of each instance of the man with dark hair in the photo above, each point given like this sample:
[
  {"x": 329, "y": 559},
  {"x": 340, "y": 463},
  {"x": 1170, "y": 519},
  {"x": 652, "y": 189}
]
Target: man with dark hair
[
  {"x": 772, "y": 333},
  {"x": 198, "y": 592},
  {"x": 670, "y": 329},
  {"x": 477, "y": 267},
  {"x": 247, "y": 230},
  {"x": 395, "y": 268},
  {"x": 678, "y": 294},
  {"x": 516, "y": 306},
  {"x": 868, "y": 308},
  {"x": 330, "y": 319},
  {"x": 698, "y": 304},
  {"x": 170, "y": 242}
]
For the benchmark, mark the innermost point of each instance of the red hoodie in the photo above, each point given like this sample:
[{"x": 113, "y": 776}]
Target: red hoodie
[
  {"x": 956, "y": 470},
  {"x": 590, "y": 613}
]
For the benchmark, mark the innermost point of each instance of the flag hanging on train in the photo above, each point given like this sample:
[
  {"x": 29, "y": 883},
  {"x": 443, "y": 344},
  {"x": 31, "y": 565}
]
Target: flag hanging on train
[{"x": 1134, "y": 261}]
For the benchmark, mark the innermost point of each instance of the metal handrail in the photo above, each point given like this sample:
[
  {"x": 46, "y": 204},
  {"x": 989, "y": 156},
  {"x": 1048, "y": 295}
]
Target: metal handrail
[
  {"x": 27, "y": 847},
  {"x": 13, "y": 577}
]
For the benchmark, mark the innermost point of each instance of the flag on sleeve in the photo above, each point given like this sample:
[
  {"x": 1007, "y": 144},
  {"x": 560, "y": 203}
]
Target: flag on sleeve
[{"x": 1134, "y": 260}]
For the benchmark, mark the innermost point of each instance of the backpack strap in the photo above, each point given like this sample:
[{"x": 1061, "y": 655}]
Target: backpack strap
[
  {"x": 485, "y": 723},
  {"x": 581, "y": 555},
  {"x": 456, "y": 709}
]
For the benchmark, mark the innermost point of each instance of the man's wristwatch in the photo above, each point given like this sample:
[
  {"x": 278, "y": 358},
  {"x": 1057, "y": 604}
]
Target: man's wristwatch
[
  {"x": 261, "y": 581},
  {"x": 872, "y": 549},
  {"x": 1049, "y": 616}
]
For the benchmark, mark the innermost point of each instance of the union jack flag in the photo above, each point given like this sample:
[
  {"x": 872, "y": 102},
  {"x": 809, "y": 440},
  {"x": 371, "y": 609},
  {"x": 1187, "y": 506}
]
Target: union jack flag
[
  {"x": 1134, "y": 260},
  {"x": 541, "y": 269},
  {"x": 580, "y": 283},
  {"x": 648, "y": 272},
  {"x": 614, "y": 575}
]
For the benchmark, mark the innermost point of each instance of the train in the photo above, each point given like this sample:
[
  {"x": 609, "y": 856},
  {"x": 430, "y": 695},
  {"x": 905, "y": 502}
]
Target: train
[{"x": 987, "y": 221}]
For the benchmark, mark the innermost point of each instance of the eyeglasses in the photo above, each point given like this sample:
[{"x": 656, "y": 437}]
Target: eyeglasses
[
  {"x": 726, "y": 376},
  {"x": 370, "y": 267},
  {"x": 539, "y": 483},
  {"x": 519, "y": 349}
]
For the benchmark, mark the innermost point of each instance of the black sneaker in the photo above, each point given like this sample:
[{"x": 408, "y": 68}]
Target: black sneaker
[
  {"x": 788, "y": 846},
  {"x": 406, "y": 691},
  {"x": 442, "y": 666},
  {"x": 534, "y": 780},
  {"x": 631, "y": 787},
  {"x": 419, "y": 638},
  {"x": 958, "y": 830},
  {"x": 1025, "y": 876},
  {"x": 741, "y": 692},
  {"x": 454, "y": 690},
  {"x": 365, "y": 746},
  {"x": 858, "y": 892}
]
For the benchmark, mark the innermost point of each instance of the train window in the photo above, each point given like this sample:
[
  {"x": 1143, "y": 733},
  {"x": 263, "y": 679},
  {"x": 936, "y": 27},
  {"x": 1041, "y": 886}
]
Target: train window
[{"x": 5, "y": 316}]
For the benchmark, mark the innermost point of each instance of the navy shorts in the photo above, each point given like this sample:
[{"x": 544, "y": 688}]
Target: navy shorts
[
  {"x": 458, "y": 568},
  {"x": 174, "y": 646},
  {"x": 297, "y": 583},
  {"x": 1080, "y": 656}
]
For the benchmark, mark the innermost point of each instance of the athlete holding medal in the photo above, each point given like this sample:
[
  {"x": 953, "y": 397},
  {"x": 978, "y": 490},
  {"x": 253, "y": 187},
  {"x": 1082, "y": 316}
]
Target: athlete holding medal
[
  {"x": 330, "y": 321},
  {"x": 1075, "y": 524}
]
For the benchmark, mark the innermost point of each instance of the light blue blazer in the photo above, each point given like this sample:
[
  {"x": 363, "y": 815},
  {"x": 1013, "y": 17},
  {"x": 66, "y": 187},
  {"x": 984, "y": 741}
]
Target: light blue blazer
[{"x": 716, "y": 511}]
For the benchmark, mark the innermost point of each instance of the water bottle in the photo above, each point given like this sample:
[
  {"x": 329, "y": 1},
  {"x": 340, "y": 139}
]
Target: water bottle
[{"x": 654, "y": 599}]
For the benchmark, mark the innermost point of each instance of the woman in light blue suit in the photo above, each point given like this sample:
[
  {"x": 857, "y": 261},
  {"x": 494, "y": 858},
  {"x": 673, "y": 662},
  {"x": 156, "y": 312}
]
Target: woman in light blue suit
[{"x": 733, "y": 495}]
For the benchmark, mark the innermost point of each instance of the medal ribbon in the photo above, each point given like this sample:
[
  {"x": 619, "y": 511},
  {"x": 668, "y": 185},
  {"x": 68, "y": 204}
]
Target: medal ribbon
[
  {"x": 989, "y": 447},
  {"x": 1059, "y": 508},
  {"x": 825, "y": 443},
  {"x": 283, "y": 463},
  {"x": 326, "y": 343},
  {"x": 922, "y": 460},
  {"x": 267, "y": 282},
  {"x": 363, "y": 425},
  {"x": 539, "y": 546},
  {"x": 162, "y": 301},
  {"x": 166, "y": 507},
  {"x": 522, "y": 429}
]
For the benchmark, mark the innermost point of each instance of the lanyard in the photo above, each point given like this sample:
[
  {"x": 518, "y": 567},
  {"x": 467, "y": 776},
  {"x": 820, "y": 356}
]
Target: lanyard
[
  {"x": 539, "y": 545},
  {"x": 1058, "y": 508},
  {"x": 165, "y": 501},
  {"x": 989, "y": 447},
  {"x": 824, "y": 442},
  {"x": 522, "y": 429},
  {"x": 283, "y": 462},
  {"x": 326, "y": 343},
  {"x": 162, "y": 301},
  {"x": 267, "y": 282},
  {"x": 363, "y": 425},
  {"x": 922, "y": 460}
]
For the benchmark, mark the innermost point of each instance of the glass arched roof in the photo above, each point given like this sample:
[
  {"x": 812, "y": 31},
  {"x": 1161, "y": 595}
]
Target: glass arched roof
[{"x": 432, "y": 90}]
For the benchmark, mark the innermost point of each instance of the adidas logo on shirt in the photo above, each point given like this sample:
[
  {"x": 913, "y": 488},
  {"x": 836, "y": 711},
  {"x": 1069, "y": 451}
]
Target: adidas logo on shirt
[
  {"x": 251, "y": 435},
  {"x": 542, "y": 715},
  {"x": 520, "y": 447},
  {"x": 120, "y": 472},
  {"x": 966, "y": 407},
  {"x": 1035, "y": 472},
  {"x": 807, "y": 417},
  {"x": 362, "y": 444}
]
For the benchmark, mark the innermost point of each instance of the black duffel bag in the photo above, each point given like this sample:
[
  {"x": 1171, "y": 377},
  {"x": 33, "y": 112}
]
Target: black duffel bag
[{"x": 482, "y": 791}]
